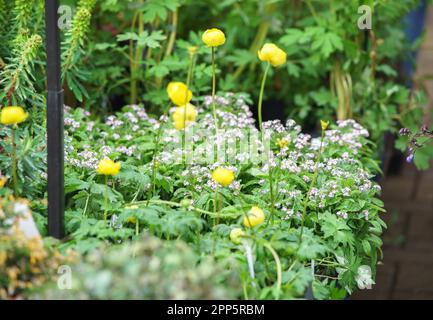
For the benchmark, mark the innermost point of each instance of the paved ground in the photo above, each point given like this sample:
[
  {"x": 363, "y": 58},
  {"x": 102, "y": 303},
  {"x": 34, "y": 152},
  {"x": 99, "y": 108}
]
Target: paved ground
[{"x": 407, "y": 269}]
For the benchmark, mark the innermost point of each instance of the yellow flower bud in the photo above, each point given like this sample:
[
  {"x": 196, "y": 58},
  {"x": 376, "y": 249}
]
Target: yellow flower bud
[
  {"x": 236, "y": 234},
  {"x": 178, "y": 93},
  {"x": 271, "y": 53},
  {"x": 324, "y": 124},
  {"x": 3, "y": 181},
  {"x": 223, "y": 176},
  {"x": 184, "y": 115},
  {"x": 254, "y": 217},
  {"x": 132, "y": 220},
  {"x": 192, "y": 50},
  {"x": 12, "y": 115},
  {"x": 108, "y": 167},
  {"x": 213, "y": 37}
]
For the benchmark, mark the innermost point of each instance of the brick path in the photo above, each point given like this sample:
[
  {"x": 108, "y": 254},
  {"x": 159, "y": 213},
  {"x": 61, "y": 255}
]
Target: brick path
[{"x": 407, "y": 269}]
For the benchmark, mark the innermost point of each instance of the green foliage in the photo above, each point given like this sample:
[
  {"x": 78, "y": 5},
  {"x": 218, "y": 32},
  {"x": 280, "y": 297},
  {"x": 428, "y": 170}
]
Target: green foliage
[
  {"x": 17, "y": 77},
  {"x": 72, "y": 50},
  {"x": 146, "y": 269}
]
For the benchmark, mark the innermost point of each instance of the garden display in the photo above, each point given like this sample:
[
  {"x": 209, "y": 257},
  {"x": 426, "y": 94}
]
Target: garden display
[{"x": 178, "y": 182}]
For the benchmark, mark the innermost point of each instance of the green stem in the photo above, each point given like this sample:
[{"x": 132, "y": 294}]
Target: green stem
[
  {"x": 313, "y": 182},
  {"x": 172, "y": 37},
  {"x": 216, "y": 207},
  {"x": 188, "y": 81},
  {"x": 313, "y": 11},
  {"x": 137, "y": 61},
  {"x": 278, "y": 263},
  {"x": 14, "y": 164},
  {"x": 106, "y": 199},
  {"x": 262, "y": 89},
  {"x": 86, "y": 205},
  {"x": 271, "y": 190},
  {"x": 213, "y": 92},
  {"x": 155, "y": 151}
]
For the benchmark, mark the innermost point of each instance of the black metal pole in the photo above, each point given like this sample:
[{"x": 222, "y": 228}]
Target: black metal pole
[{"x": 55, "y": 124}]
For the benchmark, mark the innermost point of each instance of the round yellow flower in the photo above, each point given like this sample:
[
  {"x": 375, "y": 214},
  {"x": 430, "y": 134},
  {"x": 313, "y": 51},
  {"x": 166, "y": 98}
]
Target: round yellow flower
[
  {"x": 178, "y": 93},
  {"x": 187, "y": 111},
  {"x": 213, "y": 37},
  {"x": 13, "y": 115},
  {"x": 254, "y": 217},
  {"x": 184, "y": 115},
  {"x": 223, "y": 176},
  {"x": 108, "y": 167},
  {"x": 236, "y": 234},
  {"x": 270, "y": 52},
  {"x": 179, "y": 124}
]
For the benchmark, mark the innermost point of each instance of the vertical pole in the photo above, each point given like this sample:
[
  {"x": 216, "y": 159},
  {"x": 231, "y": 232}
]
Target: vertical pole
[{"x": 55, "y": 124}]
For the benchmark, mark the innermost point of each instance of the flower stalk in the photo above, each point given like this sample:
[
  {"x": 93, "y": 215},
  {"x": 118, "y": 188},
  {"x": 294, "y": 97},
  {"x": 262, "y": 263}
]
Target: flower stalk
[
  {"x": 213, "y": 92},
  {"x": 106, "y": 199},
  {"x": 262, "y": 89},
  {"x": 14, "y": 163},
  {"x": 313, "y": 182}
]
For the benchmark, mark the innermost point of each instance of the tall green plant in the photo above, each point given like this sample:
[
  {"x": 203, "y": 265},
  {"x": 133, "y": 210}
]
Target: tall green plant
[{"x": 73, "y": 73}]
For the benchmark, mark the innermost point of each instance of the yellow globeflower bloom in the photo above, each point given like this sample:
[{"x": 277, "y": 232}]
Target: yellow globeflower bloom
[
  {"x": 188, "y": 111},
  {"x": 236, "y": 234},
  {"x": 13, "y": 115},
  {"x": 270, "y": 52},
  {"x": 223, "y": 176},
  {"x": 213, "y": 37},
  {"x": 254, "y": 217},
  {"x": 179, "y": 124},
  {"x": 184, "y": 115},
  {"x": 178, "y": 93},
  {"x": 108, "y": 167}
]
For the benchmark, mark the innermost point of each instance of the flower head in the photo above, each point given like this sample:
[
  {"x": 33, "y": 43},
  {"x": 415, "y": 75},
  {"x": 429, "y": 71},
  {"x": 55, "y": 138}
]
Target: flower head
[
  {"x": 213, "y": 37},
  {"x": 12, "y": 115},
  {"x": 271, "y": 53},
  {"x": 179, "y": 93},
  {"x": 236, "y": 234},
  {"x": 108, "y": 167},
  {"x": 223, "y": 176},
  {"x": 192, "y": 50},
  {"x": 184, "y": 115},
  {"x": 282, "y": 143},
  {"x": 254, "y": 217},
  {"x": 324, "y": 124}
]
